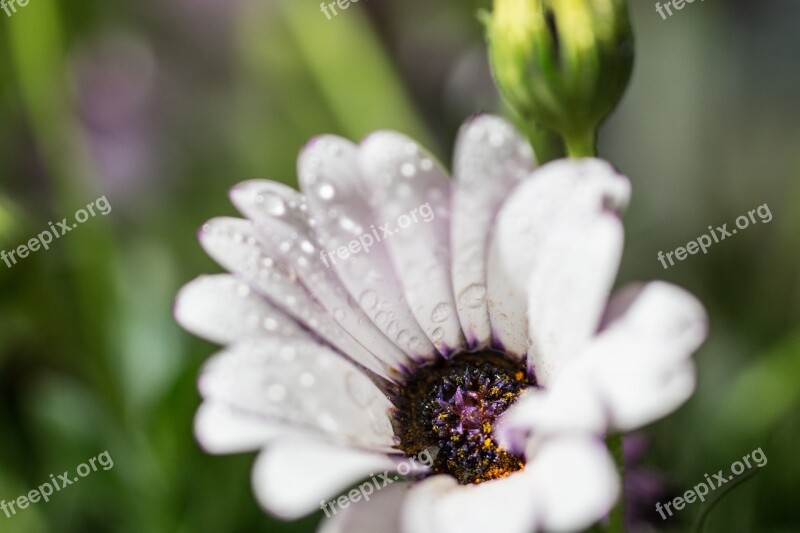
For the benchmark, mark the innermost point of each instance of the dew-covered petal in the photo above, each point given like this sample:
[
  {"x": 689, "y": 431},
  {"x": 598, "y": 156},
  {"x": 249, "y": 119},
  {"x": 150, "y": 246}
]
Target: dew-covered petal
[
  {"x": 234, "y": 244},
  {"x": 293, "y": 477},
  {"x": 410, "y": 198},
  {"x": 303, "y": 384},
  {"x": 343, "y": 221},
  {"x": 288, "y": 237},
  {"x": 222, "y": 429},
  {"x": 563, "y": 196},
  {"x": 575, "y": 483},
  {"x": 223, "y": 309},
  {"x": 491, "y": 157},
  {"x": 640, "y": 362},
  {"x": 382, "y": 512}
]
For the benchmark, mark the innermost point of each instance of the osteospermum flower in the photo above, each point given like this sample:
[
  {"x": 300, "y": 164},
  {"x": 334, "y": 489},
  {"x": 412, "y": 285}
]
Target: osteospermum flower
[{"x": 389, "y": 312}]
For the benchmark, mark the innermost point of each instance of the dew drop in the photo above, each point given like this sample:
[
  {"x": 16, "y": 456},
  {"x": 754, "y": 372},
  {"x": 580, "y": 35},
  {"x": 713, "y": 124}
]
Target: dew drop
[
  {"x": 403, "y": 337},
  {"x": 307, "y": 247},
  {"x": 437, "y": 334},
  {"x": 243, "y": 290},
  {"x": 307, "y": 379},
  {"x": 369, "y": 300},
  {"x": 273, "y": 204},
  {"x": 326, "y": 191},
  {"x": 496, "y": 139},
  {"x": 327, "y": 422},
  {"x": 473, "y": 296},
  {"x": 441, "y": 313},
  {"x": 408, "y": 170},
  {"x": 276, "y": 392}
]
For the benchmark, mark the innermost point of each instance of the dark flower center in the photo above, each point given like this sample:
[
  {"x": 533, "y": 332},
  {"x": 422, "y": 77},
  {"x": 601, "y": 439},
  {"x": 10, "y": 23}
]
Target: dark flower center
[{"x": 452, "y": 405}]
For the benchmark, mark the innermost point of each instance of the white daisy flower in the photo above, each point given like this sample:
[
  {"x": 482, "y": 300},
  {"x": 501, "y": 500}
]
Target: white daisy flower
[{"x": 387, "y": 311}]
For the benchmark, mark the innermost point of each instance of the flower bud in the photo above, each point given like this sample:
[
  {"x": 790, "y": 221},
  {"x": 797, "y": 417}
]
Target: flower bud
[{"x": 563, "y": 64}]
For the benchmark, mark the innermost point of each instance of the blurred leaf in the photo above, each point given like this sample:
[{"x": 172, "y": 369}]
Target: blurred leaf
[
  {"x": 763, "y": 394},
  {"x": 353, "y": 72}
]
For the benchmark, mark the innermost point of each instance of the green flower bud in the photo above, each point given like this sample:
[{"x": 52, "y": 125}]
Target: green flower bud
[{"x": 563, "y": 64}]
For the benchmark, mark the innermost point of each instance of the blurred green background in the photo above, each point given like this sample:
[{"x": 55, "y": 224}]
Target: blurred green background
[{"x": 163, "y": 106}]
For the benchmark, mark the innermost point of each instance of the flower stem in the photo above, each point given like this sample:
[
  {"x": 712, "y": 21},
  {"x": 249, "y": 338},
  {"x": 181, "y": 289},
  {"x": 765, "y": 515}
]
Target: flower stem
[
  {"x": 581, "y": 144},
  {"x": 616, "y": 519},
  {"x": 700, "y": 520}
]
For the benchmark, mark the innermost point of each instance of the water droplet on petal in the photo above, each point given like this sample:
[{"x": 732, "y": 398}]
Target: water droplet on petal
[
  {"x": 403, "y": 337},
  {"x": 307, "y": 379},
  {"x": 408, "y": 170},
  {"x": 473, "y": 296},
  {"x": 276, "y": 392},
  {"x": 307, "y": 247},
  {"x": 369, "y": 300},
  {"x": 326, "y": 191},
  {"x": 441, "y": 313},
  {"x": 273, "y": 204}
]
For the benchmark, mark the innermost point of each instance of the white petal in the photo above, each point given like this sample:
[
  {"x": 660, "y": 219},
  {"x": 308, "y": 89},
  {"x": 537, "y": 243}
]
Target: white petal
[
  {"x": 575, "y": 483},
  {"x": 568, "y": 483},
  {"x": 410, "y": 196},
  {"x": 491, "y": 157},
  {"x": 261, "y": 200},
  {"x": 382, "y": 512},
  {"x": 287, "y": 237},
  {"x": 440, "y": 505},
  {"x": 641, "y": 362},
  {"x": 293, "y": 477},
  {"x": 659, "y": 314},
  {"x": 560, "y": 196},
  {"x": 225, "y": 310},
  {"x": 222, "y": 429},
  {"x": 329, "y": 175},
  {"x": 233, "y": 243},
  {"x": 570, "y": 406},
  {"x": 301, "y": 383},
  {"x": 568, "y": 290}
]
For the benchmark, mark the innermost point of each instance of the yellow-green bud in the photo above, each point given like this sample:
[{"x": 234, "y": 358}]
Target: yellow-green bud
[{"x": 563, "y": 64}]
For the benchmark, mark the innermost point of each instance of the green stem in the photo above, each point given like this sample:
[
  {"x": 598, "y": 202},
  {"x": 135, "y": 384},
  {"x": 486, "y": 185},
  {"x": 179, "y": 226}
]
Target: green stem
[
  {"x": 581, "y": 144},
  {"x": 702, "y": 515},
  {"x": 616, "y": 519},
  {"x": 547, "y": 145}
]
